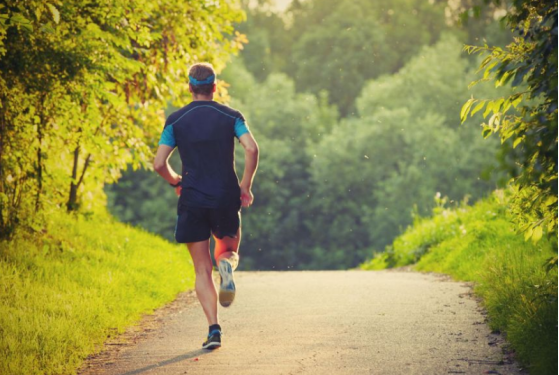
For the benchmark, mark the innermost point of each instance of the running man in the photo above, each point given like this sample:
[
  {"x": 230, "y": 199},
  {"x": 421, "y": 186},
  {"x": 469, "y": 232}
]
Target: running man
[{"x": 210, "y": 195}]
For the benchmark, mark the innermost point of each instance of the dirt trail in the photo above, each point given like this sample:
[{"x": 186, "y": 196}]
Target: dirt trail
[{"x": 326, "y": 322}]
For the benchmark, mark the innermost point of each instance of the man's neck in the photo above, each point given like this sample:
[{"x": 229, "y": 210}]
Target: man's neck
[{"x": 202, "y": 98}]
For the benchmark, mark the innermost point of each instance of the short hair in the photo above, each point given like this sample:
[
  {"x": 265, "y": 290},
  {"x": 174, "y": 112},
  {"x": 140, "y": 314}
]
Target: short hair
[{"x": 201, "y": 71}]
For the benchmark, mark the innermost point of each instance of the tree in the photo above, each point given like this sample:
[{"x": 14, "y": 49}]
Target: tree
[
  {"x": 342, "y": 44},
  {"x": 82, "y": 88},
  {"x": 269, "y": 43},
  {"x": 527, "y": 117},
  {"x": 406, "y": 146},
  {"x": 335, "y": 46},
  {"x": 285, "y": 124}
]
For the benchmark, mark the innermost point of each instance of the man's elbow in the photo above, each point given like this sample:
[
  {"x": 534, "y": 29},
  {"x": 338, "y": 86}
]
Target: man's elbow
[
  {"x": 252, "y": 150},
  {"x": 158, "y": 166}
]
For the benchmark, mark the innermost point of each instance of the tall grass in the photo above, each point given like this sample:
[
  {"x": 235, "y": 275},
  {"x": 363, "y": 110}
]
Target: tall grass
[
  {"x": 63, "y": 292},
  {"x": 479, "y": 244}
]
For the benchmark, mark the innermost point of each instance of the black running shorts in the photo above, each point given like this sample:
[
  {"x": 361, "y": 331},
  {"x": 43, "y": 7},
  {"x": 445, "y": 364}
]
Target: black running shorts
[{"x": 195, "y": 224}]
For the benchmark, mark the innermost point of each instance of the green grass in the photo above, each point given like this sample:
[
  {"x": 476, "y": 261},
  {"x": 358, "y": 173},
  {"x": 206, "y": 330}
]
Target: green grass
[
  {"x": 479, "y": 244},
  {"x": 63, "y": 292}
]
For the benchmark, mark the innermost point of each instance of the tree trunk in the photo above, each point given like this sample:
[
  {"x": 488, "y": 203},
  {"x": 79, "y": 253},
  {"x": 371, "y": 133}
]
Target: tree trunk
[
  {"x": 40, "y": 156},
  {"x": 39, "y": 174},
  {"x": 4, "y": 223},
  {"x": 72, "y": 205}
]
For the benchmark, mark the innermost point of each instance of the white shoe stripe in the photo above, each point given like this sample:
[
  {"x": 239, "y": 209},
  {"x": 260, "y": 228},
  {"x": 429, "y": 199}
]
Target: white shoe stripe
[{"x": 213, "y": 343}]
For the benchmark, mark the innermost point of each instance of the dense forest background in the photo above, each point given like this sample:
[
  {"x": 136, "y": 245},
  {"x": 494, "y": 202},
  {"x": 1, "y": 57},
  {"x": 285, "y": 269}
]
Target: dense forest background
[{"x": 356, "y": 108}]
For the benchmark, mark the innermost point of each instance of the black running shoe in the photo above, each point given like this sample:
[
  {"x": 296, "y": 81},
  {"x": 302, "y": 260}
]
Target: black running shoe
[
  {"x": 227, "y": 285},
  {"x": 213, "y": 341}
]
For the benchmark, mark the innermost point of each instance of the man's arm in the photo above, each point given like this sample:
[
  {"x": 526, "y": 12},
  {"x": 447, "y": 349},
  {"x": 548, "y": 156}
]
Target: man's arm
[
  {"x": 251, "y": 164},
  {"x": 162, "y": 167}
]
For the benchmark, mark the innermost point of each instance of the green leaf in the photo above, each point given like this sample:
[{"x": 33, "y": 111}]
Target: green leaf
[
  {"x": 537, "y": 233},
  {"x": 473, "y": 83},
  {"x": 484, "y": 63},
  {"x": 47, "y": 28},
  {"x": 506, "y": 105},
  {"x": 497, "y": 105},
  {"x": 528, "y": 234},
  {"x": 489, "y": 69},
  {"x": 478, "y": 107},
  {"x": 20, "y": 20},
  {"x": 488, "y": 108},
  {"x": 516, "y": 142},
  {"x": 55, "y": 13},
  {"x": 551, "y": 201},
  {"x": 504, "y": 79},
  {"x": 494, "y": 121},
  {"x": 465, "y": 109}
]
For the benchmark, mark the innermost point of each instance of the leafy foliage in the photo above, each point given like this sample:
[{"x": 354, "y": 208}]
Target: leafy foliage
[
  {"x": 335, "y": 46},
  {"x": 529, "y": 116},
  {"x": 480, "y": 244},
  {"x": 82, "y": 86},
  {"x": 137, "y": 199},
  {"x": 405, "y": 151}
]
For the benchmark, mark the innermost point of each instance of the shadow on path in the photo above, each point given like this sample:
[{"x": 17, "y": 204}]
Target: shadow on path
[{"x": 182, "y": 357}]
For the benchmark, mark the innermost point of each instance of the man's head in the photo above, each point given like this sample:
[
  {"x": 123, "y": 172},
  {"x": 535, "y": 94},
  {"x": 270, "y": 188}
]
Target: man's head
[{"x": 202, "y": 79}]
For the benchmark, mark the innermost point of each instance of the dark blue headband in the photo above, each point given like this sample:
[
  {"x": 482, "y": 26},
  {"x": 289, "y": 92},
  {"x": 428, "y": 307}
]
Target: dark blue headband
[{"x": 207, "y": 81}]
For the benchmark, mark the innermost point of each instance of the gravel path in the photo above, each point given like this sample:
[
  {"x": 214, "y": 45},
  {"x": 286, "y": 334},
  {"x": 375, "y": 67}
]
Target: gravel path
[{"x": 324, "y": 322}]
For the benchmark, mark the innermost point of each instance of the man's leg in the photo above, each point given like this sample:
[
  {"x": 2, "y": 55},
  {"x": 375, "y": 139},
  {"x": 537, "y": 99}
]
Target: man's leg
[
  {"x": 228, "y": 248},
  {"x": 227, "y": 259},
  {"x": 205, "y": 287}
]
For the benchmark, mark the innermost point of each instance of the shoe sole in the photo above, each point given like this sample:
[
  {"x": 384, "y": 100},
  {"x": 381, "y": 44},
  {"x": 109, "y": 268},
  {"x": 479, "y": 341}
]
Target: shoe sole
[
  {"x": 212, "y": 345},
  {"x": 227, "y": 288}
]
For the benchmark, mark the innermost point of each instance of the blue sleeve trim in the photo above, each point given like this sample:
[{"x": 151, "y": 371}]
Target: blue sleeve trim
[
  {"x": 168, "y": 137},
  {"x": 241, "y": 128}
]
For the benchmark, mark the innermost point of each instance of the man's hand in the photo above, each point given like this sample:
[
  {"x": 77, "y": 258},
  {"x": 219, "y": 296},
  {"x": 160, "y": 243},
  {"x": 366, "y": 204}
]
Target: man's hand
[
  {"x": 246, "y": 197},
  {"x": 178, "y": 190}
]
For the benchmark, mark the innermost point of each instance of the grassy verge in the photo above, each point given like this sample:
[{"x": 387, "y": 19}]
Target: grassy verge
[
  {"x": 479, "y": 244},
  {"x": 62, "y": 293}
]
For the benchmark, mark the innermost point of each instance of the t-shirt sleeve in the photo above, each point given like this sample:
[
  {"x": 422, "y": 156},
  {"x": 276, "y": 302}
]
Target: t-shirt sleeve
[
  {"x": 241, "y": 127},
  {"x": 168, "y": 137}
]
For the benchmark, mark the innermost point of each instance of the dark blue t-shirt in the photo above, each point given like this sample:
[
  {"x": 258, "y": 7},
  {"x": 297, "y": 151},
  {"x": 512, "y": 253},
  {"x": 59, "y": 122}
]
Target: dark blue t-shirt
[{"x": 204, "y": 132}]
